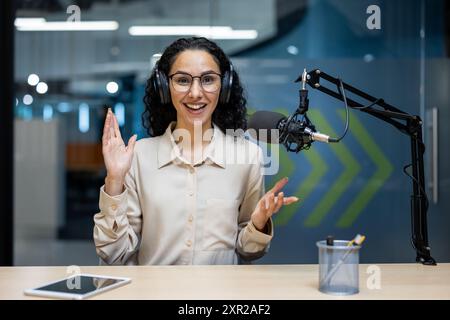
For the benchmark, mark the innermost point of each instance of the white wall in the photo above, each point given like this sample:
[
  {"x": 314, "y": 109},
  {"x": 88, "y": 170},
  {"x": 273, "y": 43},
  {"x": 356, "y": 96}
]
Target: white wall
[{"x": 39, "y": 177}]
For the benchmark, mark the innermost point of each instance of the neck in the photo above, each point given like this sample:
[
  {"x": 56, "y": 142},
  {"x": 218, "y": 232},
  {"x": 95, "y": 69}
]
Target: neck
[
  {"x": 194, "y": 140},
  {"x": 198, "y": 133}
]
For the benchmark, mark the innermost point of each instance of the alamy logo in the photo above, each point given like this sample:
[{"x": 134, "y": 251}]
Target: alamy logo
[
  {"x": 73, "y": 282},
  {"x": 374, "y": 278},
  {"x": 374, "y": 20},
  {"x": 75, "y": 13},
  {"x": 234, "y": 154}
]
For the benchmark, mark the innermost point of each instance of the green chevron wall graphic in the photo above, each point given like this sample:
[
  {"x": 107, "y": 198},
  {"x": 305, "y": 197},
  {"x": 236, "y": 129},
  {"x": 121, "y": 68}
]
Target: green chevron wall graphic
[
  {"x": 319, "y": 168},
  {"x": 341, "y": 184},
  {"x": 375, "y": 182},
  {"x": 338, "y": 187}
]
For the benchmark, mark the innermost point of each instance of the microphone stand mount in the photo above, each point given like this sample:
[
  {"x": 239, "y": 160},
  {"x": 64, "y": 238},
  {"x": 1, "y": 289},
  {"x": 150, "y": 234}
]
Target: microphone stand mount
[{"x": 410, "y": 125}]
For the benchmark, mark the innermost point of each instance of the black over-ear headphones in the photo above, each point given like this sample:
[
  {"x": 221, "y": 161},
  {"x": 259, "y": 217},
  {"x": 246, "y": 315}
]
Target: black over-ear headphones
[{"x": 161, "y": 84}]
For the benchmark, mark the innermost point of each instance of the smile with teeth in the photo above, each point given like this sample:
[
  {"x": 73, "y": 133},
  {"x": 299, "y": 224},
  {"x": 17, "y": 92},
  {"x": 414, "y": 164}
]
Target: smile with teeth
[{"x": 194, "y": 107}]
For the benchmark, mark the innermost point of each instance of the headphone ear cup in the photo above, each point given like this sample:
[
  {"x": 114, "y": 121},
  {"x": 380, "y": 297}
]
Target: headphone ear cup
[
  {"x": 224, "y": 88},
  {"x": 227, "y": 82},
  {"x": 161, "y": 84}
]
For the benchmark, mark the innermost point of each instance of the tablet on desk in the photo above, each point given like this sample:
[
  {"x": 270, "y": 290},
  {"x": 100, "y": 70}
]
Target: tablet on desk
[{"x": 79, "y": 286}]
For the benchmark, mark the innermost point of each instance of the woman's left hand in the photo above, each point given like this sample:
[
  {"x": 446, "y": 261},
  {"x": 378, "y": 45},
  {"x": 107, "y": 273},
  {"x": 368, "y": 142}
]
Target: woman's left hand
[{"x": 270, "y": 203}]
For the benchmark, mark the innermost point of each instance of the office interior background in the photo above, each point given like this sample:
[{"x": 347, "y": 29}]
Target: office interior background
[{"x": 62, "y": 81}]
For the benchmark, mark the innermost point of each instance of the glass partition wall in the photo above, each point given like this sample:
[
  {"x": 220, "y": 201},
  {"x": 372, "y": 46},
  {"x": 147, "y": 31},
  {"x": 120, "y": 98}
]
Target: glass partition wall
[{"x": 72, "y": 61}]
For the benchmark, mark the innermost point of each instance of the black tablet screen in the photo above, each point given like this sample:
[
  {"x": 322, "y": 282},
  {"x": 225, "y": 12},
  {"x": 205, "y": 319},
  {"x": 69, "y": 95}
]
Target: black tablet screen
[{"x": 79, "y": 284}]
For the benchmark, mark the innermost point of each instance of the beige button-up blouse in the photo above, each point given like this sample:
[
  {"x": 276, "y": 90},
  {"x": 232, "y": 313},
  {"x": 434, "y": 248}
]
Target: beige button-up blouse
[{"x": 174, "y": 212}]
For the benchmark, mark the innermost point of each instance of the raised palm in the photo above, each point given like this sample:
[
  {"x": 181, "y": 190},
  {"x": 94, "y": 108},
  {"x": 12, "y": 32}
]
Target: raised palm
[{"x": 116, "y": 155}]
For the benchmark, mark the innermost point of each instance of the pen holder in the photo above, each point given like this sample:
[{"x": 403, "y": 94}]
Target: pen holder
[{"x": 338, "y": 268}]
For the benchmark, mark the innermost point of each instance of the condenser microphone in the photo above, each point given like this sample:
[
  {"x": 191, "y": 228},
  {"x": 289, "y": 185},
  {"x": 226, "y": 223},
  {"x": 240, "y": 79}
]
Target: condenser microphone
[{"x": 263, "y": 122}]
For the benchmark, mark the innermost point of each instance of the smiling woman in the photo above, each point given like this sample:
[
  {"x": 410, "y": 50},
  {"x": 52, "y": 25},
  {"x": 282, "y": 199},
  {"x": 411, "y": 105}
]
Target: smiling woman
[
  {"x": 176, "y": 198},
  {"x": 190, "y": 98},
  {"x": 209, "y": 59}
]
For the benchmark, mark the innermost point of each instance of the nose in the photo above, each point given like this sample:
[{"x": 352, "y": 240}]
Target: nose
[{"x": 196, "y": 90}]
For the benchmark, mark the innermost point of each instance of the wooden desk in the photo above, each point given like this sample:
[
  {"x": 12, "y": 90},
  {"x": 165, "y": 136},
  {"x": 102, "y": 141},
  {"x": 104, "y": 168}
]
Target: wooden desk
[{"x": 267, "y": 282}]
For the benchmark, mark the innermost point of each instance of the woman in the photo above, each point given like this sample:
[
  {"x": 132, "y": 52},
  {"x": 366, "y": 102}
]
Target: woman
[{"x": 178, "y": 197}]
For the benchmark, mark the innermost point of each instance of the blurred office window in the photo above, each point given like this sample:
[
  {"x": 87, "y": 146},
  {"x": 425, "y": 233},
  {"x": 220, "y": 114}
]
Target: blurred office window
[{"x": 65, "y": 80}]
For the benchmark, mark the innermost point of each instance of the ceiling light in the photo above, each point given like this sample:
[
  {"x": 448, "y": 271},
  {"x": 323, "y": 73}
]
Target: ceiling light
[
  {"x": 27, "y": 99},
  {"x": 40, "y": 24},
  {"x": 33, "y": 79},
  {"x": 41, "y": 87},
  {"x": 112, "y": 87},
  {"x": 215, "y": 32}
]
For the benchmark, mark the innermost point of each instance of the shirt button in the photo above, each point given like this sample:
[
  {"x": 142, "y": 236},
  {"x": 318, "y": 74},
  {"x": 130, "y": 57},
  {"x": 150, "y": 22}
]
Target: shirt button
[
  {"x": 114, "y": 206},
  {"x": 189, "y": 243},
  {"x": 191, "y": 218},
  {"x": 191, "y": 170},
  {"x": 191, "y": 193}
]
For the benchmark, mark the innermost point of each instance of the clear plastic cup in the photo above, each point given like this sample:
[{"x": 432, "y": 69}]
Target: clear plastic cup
[{"x": 338, "y": 268}]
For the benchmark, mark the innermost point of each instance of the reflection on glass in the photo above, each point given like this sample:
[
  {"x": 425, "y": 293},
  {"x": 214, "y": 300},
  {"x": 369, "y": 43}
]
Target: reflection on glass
[
  {"x": 119, "y": 110},
  {"x": 47, "y": 113},
  {"x": 83, "y": 117}
]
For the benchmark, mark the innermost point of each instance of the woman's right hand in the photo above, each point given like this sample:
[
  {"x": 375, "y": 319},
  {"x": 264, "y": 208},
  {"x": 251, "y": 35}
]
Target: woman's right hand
[{"x": 116, "y": 155}]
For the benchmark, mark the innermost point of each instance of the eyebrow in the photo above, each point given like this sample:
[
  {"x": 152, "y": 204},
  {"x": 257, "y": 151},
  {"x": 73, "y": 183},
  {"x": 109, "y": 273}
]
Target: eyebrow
[{"x": 201, "y": 74}]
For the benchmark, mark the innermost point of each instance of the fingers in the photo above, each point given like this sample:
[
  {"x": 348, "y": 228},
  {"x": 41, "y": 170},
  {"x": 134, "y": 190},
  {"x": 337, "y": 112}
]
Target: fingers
[
  {"x": 131, "y": 143},
  {"x": 279, "y": 201},
  {"x": 112, "y": 132},
  {"x": 106, "y": 133},
  {"x": 111, "y": 128},
  {"x": 279, "y": 185},
  {"x": 267, "y": 206},
  {"x": 270, "y": 202},
  {"x": 289, "y": 200},
  {"x": 116, "y": 127}
]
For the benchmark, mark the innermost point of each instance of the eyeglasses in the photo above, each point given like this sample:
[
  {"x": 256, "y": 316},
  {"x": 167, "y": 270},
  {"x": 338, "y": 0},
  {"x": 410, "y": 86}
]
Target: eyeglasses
[{"x": 182, "y": 82}]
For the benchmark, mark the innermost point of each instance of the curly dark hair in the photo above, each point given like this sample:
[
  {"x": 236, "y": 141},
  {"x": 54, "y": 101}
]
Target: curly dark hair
[{"x": 157, "y": 116}]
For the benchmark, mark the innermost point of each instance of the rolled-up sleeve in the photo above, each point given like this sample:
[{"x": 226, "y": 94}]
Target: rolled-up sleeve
[
  {"x": 118, "y": 225},
  {"x": 251, "y": 243}
]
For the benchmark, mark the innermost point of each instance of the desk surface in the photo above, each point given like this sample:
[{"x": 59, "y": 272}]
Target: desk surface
[{"x": 253, "y": 282}]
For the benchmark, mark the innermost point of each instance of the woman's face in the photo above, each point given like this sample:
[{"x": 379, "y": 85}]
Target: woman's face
[{"x": 195, "y": 105}]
